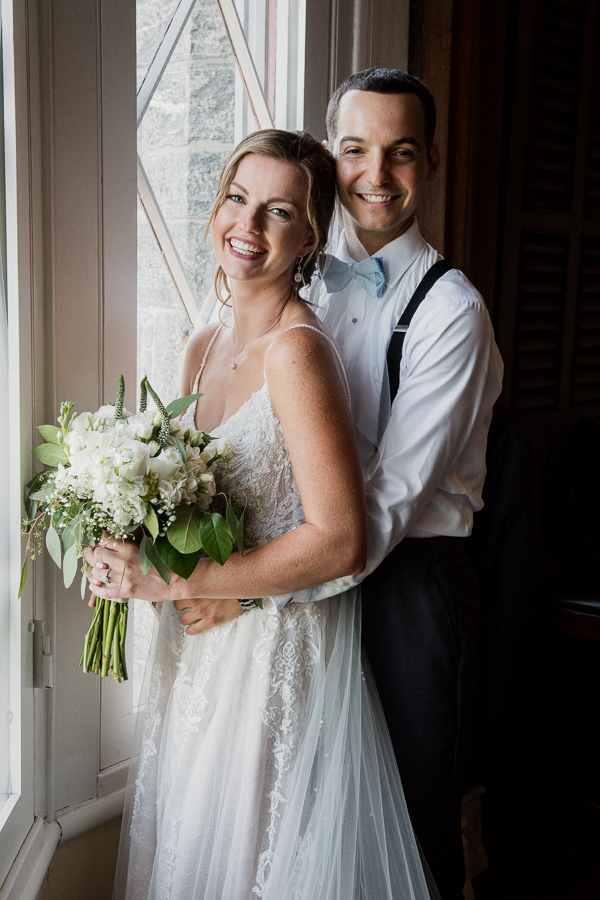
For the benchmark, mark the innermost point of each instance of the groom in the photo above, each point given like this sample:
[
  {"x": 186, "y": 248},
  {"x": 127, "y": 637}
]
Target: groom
[{"x": 423, "y": 458}]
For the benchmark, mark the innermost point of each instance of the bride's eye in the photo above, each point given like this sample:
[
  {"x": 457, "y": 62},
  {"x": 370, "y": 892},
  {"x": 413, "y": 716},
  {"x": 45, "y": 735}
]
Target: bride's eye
[
  {"x": 280, "y": 213},
  {"x": 235, "y": 198}
]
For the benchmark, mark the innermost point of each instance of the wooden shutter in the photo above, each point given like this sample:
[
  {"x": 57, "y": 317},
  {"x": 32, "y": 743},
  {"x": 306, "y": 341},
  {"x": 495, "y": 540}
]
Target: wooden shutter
[{"x": 548, "y": 308}]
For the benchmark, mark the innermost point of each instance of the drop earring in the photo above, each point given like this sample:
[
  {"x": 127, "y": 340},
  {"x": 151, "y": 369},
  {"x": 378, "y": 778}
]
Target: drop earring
[{"x": 298, "y": 275}]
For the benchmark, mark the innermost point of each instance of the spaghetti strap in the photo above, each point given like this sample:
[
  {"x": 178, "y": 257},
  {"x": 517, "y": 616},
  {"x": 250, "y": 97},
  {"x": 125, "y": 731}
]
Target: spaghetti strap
[
  {"x": 327, "y": 338},
  {"x": 189, "y": 416}
]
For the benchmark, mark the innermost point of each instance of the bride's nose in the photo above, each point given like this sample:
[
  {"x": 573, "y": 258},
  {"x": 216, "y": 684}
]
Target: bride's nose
[{"x": 251, "y": 219}]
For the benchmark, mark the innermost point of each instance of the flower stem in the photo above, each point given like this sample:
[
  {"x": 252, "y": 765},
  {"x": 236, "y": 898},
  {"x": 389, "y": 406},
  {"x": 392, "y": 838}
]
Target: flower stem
[{"x": 110, "y": 621}]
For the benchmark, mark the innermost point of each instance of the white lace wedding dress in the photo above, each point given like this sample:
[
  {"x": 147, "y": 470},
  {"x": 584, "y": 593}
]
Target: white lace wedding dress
[{"x": 264, "y": 767}]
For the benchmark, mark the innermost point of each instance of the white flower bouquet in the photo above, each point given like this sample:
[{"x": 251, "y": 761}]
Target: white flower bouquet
[{"x": 139, "y": 477}]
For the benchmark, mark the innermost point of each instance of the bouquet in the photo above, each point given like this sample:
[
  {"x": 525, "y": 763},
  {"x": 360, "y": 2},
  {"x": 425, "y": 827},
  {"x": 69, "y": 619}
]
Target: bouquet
[{"x": 139, "y": 477}]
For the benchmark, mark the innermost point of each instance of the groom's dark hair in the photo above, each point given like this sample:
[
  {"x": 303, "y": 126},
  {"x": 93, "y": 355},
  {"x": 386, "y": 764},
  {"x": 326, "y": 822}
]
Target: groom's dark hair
[{"x": 383, "y": 81}]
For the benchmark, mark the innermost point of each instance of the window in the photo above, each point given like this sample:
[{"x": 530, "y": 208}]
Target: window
[{"x": 16, "y": 701}]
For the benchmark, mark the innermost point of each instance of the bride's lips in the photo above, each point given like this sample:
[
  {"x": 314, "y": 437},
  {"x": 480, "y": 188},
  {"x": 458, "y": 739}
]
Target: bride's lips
[{"x": 243, "y": 249}]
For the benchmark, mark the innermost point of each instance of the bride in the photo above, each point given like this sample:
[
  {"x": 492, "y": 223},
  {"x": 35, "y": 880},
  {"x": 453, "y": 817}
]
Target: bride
[{"x": 264, "y": 768}]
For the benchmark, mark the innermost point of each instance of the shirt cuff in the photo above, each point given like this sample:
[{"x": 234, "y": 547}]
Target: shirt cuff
[{"x": 273, "y": 605}]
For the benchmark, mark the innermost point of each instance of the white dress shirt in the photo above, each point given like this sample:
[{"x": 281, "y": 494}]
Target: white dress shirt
[{"x": 423, "y": 462}]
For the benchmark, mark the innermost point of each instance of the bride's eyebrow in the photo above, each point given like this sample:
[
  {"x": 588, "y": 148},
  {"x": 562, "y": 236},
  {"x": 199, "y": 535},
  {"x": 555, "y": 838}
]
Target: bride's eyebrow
[{"x": 238, "y": 186}]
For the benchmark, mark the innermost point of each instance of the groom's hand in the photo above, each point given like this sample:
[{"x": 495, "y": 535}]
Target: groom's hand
[{"x": 204, "y": 613}]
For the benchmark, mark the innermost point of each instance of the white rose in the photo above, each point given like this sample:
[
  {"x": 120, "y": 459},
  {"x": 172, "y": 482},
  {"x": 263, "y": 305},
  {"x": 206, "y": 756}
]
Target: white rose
[{"x": 166, "y": 463}]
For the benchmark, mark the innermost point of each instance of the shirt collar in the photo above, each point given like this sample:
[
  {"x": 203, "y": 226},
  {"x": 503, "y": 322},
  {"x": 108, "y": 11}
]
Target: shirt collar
[{"x": 397, "y": 256}]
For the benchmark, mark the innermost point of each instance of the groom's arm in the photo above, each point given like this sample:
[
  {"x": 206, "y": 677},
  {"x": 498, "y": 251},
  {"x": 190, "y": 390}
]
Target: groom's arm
[{"x": 451, "y": 381}]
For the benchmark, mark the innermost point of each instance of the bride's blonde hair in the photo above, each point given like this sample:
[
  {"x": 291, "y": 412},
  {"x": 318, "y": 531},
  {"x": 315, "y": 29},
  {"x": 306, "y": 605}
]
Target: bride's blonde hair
[{"x": 317, "y": 166}]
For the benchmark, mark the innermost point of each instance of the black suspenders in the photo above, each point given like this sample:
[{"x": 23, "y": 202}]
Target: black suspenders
[{"x": 394, "y": 354}]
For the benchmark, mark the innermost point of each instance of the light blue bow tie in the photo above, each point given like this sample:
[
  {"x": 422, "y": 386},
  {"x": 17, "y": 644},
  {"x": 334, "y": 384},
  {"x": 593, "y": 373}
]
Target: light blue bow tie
[{"x": 369, "y": 274}]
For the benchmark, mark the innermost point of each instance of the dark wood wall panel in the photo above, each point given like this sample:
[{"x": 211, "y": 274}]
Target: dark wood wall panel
[
  {"x": 586, "y": 376},
  {"x": 554, "y": 105},
  {"x": 538, "y": 334}
]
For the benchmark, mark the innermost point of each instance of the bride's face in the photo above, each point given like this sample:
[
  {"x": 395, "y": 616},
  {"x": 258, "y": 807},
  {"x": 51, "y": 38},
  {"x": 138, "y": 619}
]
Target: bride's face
[{"x": 261, "y": 228}]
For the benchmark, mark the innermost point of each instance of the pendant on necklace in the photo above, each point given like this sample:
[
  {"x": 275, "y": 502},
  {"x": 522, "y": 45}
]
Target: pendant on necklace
[{"x": 233, "y": 365}]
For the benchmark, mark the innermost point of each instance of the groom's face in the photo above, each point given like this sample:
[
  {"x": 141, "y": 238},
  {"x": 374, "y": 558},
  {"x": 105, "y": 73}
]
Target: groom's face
[{"x": 382, "y": 163}]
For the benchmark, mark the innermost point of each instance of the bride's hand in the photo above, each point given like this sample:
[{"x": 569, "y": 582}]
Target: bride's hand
[
  {"x": 201, "y": 614},
  {"x": 115, "y": 571}
]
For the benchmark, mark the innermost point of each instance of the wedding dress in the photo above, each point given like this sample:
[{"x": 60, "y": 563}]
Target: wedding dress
[{"x": 265, "y": 768}]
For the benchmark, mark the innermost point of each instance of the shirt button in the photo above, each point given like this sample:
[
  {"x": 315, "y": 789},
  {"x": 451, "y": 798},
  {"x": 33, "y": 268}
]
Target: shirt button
[{"x": 355, "y": 321}]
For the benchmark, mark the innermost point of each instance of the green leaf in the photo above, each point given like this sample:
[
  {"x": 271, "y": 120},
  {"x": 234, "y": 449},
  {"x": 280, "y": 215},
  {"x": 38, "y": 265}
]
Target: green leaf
[
  {"x": 176, "y": 407},
  {"x": 239, "y": 537},
  {"x": 184, "y": 532},
  {"x": 146, "y": 562},
  {"x": 179, "y": 563},
  {"x": 182, "y": 452},
  {"x": 259, "y": 603},
  {"x": 50, "y": 433},
  {"x": 232, "y": 521},
  {"x": 151, "y": 558},
  {"x": 53, "y": 545},
  {"x": 23, "y": 577},
  {"x": 216, "y": 539},
  {"x": 70, "y": 533},
  {"x": 33, "y": 508},
  {"x": 37, "y": 481},
  {"x": 151, "y": 521},
  {"x": 37, "y": 495},
  {"x": 70, "y": 565},
  {"x": 84, "y": 583},
  {"x": 50, "y": 454}
]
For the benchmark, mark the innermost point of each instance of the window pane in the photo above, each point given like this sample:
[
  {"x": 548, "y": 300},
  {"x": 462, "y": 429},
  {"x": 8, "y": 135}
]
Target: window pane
[
  {"x": 152, "y": 20},
  {"x": 187, "y": 134}
]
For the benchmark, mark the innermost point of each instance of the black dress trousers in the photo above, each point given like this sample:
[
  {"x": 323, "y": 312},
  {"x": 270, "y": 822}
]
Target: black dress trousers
[{"x": 419, "y": 615}]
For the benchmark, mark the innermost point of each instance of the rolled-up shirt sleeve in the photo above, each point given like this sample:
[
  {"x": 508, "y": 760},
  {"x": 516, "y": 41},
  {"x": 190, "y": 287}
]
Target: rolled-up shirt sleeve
[{"x": 427, "y": 475}]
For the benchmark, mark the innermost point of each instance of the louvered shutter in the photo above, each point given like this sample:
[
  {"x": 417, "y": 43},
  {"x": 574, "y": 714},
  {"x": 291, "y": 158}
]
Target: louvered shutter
[{"x": 549, "y": 310}]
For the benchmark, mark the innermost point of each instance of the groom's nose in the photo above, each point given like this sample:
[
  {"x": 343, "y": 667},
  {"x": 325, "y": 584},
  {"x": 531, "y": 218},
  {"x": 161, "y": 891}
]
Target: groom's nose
[{"x": 377, "y": 170}]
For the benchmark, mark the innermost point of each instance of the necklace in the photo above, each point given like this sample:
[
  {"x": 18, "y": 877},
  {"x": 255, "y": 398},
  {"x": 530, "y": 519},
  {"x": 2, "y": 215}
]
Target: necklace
[{"x": 256, "y": 337}]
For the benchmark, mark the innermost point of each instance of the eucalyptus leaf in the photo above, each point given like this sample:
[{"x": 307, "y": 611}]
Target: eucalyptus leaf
[
  {"x": 84, "y": 583},
  {"x": 53, "y": 545},
  {"x": 37, "y": 495},
  {"x": 50, "y": 454},
  {"x": 33, "y": 508},
  {"x": 70, "y": 565},
  {"x": 216, "y": 539},
  {"x": 179, "y": 563},
  {"x": 182, "y": 452},
  {"x": 232, "y": 521},
  {"x": 176, "y": 407},
  {"x": 23, "y": 577},
  {"x": 70, "y": 533},
  {"x": 184, "y": 532},
  {"x": 50, "y": 433},
  {"x": 151, "y": 521}
]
